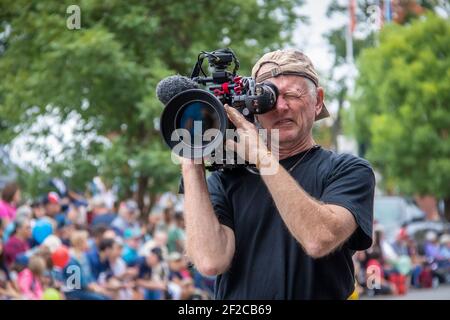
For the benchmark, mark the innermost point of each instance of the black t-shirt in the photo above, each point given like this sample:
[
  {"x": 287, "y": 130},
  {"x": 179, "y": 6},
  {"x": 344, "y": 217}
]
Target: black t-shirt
[{"x": 268, "y": 262}]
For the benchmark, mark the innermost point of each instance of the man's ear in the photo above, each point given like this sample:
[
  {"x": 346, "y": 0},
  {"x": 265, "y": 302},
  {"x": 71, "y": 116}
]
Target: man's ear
[{"x": 319, "y": 100}]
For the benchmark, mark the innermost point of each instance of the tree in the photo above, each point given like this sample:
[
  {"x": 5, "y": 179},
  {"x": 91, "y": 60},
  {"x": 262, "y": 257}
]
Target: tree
[
  {"x": 401, "y": 106},
  {"x": 369, "y": 20},
  {"x": 338, "y": 84},
  {"x": 105, "y": 73}
]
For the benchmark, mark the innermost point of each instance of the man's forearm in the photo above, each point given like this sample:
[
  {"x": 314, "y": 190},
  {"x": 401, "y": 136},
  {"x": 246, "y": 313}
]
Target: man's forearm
[
  {"x": 207, "y": 242},
  {"x": 317, "y": 227}
]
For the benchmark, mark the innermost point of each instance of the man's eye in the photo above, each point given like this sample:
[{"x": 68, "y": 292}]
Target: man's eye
[{"x": 290, "y": 96}]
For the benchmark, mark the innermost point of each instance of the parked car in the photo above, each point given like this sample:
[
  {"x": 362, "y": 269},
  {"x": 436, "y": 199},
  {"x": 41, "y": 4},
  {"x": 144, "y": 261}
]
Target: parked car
[
  {"x": 394, "y": 212},
  {"x": 418, "y": 229}
]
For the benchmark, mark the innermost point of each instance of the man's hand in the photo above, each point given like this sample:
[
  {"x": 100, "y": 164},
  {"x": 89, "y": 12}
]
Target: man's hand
[
  {"x": 251, "y": 145},
  {"x": 188, "y": 164}
]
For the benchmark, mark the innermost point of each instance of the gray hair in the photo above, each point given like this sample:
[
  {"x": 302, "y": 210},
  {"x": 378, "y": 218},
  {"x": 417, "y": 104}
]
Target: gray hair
[
  {"x": 312, "y": 89},
  {"x": 20, "y": 222}
]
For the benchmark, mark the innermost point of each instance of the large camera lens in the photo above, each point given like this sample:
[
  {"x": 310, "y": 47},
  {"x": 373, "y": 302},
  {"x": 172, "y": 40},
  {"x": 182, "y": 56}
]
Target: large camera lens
[
  {"x": 197, "y": 118},
  {"x": 193, "y": 123}
]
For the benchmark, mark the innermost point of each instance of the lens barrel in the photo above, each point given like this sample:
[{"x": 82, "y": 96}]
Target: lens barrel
[{"x": 194, "y": 123}]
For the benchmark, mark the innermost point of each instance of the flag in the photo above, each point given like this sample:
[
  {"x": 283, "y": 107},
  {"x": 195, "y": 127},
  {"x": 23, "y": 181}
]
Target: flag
[
  {"x": 352, "y": 13},
  {"x": 350, "y": 30},
  {"x": 387, "y": 10}
]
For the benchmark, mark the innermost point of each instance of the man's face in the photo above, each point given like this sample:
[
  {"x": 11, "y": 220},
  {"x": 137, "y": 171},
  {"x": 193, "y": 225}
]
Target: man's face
[
  {"x": 176, "y": 265},
  {"x": 116, "y": 251},
  {"x": 85, "y": 246},
  {"x": 129, "y": 215},
  {"x": 152, "y": 259},
  {"x": 133, "y": 243},
  {"x": 38, "y": 211},
  {"x": 295, "y": 110},
  {"x": 25, "y": 230},
  {"x": 52, "y": 209},
  {"x": 17, "y": 197}
]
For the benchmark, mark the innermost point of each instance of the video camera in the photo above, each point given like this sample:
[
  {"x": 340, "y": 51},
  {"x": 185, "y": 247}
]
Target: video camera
[{"x": 194, "y": 106}]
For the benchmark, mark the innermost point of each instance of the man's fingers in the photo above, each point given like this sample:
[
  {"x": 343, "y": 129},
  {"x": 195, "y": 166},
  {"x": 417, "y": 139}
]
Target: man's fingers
[
  {"x": 231, "y": 145},
  {"x": 236, "y": 117}
]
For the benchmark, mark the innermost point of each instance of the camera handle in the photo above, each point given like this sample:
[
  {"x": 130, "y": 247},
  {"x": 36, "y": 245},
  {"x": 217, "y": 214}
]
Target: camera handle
[{"x": 212, "y": 56}]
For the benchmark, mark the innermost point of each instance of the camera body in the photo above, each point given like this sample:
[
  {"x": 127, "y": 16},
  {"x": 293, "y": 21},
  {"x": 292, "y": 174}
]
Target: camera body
[
  {"x": 205, "y": 106},
  {"x": 241, "y": 93}
]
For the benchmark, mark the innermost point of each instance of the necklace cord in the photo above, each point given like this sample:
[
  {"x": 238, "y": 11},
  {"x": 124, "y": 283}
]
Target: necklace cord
[{"x": 316, "y": 146}]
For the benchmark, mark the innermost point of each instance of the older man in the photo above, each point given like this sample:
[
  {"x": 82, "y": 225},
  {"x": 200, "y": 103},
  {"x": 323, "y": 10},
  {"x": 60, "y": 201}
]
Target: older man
[{"x": 290, "y": 234}]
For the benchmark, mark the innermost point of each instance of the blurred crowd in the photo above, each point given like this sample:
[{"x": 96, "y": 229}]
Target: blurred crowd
[
  {"x": 67, "y": 245},
  {"x": 394, "y": 267}
]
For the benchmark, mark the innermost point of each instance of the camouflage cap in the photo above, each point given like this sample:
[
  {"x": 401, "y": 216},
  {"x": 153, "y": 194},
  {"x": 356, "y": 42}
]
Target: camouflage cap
[{"x": 288, "y": 62}]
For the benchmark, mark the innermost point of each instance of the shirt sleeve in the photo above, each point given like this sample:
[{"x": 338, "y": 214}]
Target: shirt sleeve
[
  {"x": 351, "y": 185},
  {"x": 219, "y": 200}
]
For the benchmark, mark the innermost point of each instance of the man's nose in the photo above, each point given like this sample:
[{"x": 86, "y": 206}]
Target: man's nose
[{"x": 282, "y": 104}]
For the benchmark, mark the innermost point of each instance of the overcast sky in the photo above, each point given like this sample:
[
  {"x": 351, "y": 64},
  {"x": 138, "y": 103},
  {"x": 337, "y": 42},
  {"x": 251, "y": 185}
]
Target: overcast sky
[{"x": 309, "y": 38}]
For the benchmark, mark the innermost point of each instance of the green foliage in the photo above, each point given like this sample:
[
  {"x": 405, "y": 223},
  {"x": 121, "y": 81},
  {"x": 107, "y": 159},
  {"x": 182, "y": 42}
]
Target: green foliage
[
  {"x": 107, "y": 71},
  {"x": 402, "y": 105},
  {"x": 366, "y": 36},
  {"x": 337, "y": 85},
  {"x": 323, "y": 135}
]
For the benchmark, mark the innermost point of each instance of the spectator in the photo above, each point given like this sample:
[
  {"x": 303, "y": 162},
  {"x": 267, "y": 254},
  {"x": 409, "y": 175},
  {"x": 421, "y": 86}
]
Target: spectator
[
  {"x": 51, "y": 203},
  {"x": 101, "y": 214},
  {"x": 10, "y": 198},
  {"x": 400, "y": 244},
  {"x": 38, "y": 209},
  {"x": 149, "y": 279},
  {"x": 24, "y": 211},
  {"x": 53, "y": 209},
  {"x": 445, "y": 247},
  {"x": 432, "y": 246},
  {"x": 97, "y": 233},
  {"x": 189, "y": 292},
  {"x": 86, "y": 288},
  {"x": 117, "y": 264},
  {"x": 152, "y": 223},
  {"x": 76, "y": 214},
  {"x": 376, "y": 278},
  {"x": 99, "y": 260},
  {"x": 127, "y": 218},
  {"x": 30, "y": 279},
  {"x": 176, "y": 275},
  {"x": 176, "y": 235},
  {"x": 119, "y": 278},
  {"x": 18, "y": 242},
  {"x": 166, "y": 221},
  {"x": 7, "y": 289},
  {"x": 402, "y": 261},
  {"x": 110, "y": 234},
  {"x": 444, "y": 256},
  {"x": 176, "y": 267},
  {"x": 159, "y": 240},
  {"x": 417, "y": 261},
  {"x": 132, "y": 238}
]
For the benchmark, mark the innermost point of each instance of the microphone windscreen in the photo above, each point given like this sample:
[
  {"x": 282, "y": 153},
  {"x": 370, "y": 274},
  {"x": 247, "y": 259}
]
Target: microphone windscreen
[{"x": 173, "y": 85}]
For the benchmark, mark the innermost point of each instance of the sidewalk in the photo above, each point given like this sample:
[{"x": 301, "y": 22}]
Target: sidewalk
[{"x": 440, "y": 293}]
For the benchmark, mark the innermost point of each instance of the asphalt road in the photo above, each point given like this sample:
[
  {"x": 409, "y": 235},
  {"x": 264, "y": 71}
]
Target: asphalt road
[{"x": 440, "y": 293}]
